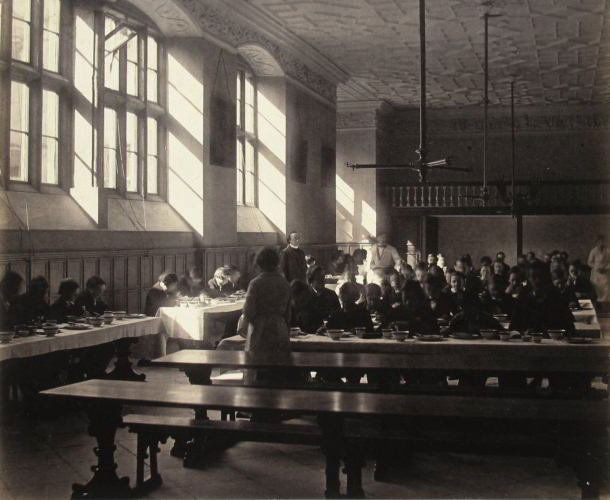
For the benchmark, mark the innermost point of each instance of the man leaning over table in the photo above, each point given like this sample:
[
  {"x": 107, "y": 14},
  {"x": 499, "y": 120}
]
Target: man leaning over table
[{"x": 382, "y": 259}]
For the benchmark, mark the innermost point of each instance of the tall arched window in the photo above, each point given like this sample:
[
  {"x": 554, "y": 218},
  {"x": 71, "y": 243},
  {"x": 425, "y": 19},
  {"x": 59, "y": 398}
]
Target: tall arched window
[
  {"x": 132, "y": 106},
  {"x": 38, "y": 76},
  {"x": 246, "y": 121}
]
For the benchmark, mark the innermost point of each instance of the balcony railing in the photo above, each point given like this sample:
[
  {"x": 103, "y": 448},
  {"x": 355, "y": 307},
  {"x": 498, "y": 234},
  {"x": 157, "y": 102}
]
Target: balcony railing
[{"x": 582, "y": 194}]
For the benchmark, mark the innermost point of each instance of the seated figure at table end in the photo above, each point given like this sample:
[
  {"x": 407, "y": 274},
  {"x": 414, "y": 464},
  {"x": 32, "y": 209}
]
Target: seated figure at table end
[{"x": 162, "y": 294}]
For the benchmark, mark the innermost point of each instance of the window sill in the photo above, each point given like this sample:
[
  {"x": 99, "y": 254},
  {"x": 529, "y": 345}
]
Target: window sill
[{"x": 24, "y": 187}]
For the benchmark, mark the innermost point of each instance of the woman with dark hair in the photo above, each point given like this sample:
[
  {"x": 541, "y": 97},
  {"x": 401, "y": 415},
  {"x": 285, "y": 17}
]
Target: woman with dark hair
[
  {"x": 89, "y": 301},
  {"x": 10, "y": 288},
  {"x": 325, "y": 301},
  {"x": 33, "y": 304},
  {"x": 162, "y": 294},
  {"x": 304, "y": 314},
  {"x": 65, "y": 305},
  {"x": 267, "y": 307}
]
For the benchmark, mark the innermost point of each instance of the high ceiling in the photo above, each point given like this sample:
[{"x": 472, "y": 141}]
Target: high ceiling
[{"x": 556, "y": 50}]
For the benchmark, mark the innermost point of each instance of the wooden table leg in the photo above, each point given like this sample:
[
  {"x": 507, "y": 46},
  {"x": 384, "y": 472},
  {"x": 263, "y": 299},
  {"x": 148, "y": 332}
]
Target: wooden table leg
[
  {"x": 333, "y": 448},
  {"x": 192, "y": 451},
  {"x": 584, "y": 445},
  {"x": 123, "y": 369},
  {"x": 104, "y": 420}
]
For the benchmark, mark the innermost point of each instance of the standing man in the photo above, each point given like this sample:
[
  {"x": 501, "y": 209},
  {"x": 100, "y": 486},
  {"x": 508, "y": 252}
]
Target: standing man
[
  {"x": 292, "y": 259},
  {"x": 383, "y": 259}
]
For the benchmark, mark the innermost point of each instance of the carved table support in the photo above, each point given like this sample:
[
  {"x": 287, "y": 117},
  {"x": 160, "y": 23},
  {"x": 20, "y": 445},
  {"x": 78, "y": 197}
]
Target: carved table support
[{"x": 104, "y": 420}]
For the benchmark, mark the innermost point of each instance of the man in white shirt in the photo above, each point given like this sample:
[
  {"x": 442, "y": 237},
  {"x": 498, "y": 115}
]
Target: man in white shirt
[{"x": 382, "y": 259}]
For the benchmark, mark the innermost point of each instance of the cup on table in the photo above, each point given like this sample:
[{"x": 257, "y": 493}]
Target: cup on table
[
  {"x": 387, "y": 333},
  {"x": 557, "y": 334},
  {"x": 335, "y": 334},
  {"x": 119, "y": 315},
  {"x": 504, "y": 336},
  {"x": 6, "y": 337},
  {"x": 400, "y": 335},
  {"x": 295, "y": 331},
  {"x": 22, "y": 331},
  {"x": 50, "y": 330},
  {"x": 95, "y": 321}
]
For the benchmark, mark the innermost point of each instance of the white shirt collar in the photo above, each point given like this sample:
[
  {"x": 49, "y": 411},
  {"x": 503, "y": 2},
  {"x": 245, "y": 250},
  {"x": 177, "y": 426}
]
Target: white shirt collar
[{"x": 292, "y": 246}]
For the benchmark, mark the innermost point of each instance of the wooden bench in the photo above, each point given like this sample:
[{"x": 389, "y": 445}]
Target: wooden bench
[{"x": 581, "y": 424}]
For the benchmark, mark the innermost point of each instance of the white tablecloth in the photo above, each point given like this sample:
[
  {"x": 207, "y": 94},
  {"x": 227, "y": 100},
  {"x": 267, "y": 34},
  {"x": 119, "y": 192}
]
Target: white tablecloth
[
  {"x": 205, "y": 324},
  {"x": 74, "y": 339}
]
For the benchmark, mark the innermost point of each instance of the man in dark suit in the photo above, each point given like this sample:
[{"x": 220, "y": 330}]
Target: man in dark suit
[{"x": 292, "y": 262}]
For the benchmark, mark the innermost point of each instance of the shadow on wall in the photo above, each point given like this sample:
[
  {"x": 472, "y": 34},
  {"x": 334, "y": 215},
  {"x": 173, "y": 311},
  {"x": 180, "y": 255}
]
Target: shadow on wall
[
  {"x": 271, "y": 104},
  {"x": 185, "y": 100}
]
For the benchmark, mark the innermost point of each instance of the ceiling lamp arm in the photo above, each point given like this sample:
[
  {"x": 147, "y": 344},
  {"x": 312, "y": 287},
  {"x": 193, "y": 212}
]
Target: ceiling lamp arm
[
  {"x": 485, "y": 101},
  {"x": 513, "y": 202},
  {"x": 423, "y": 123}
]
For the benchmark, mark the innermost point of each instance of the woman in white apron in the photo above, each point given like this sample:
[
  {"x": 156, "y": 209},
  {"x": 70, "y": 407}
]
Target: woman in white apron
[
  {"x": 599, "y": 262},
  {"x": 267, "y": 310}
]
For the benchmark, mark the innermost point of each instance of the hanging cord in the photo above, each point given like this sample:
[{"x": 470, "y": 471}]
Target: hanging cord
[
  {"x": 22, "y": 225},
  {"x": 134, "y": 220}
]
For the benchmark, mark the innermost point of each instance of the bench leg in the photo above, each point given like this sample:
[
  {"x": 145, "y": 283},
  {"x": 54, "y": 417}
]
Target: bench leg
[
  {"x": 585, "y": 446},
  {"x": 147, "y": 447},
  {"x": 332, "y": 446},
  {"x": 354, "y": 461}
]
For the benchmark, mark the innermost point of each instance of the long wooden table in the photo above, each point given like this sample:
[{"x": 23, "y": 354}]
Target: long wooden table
[
  {"x": 33, "y": 362},
  {"x": 107, "y": 398},
  {"x": 549, "y": 356}
]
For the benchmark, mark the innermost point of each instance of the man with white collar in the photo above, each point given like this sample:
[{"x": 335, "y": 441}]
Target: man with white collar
[
  {"x": 292, "y": 263},
  {"x": 382, "y": 259}
]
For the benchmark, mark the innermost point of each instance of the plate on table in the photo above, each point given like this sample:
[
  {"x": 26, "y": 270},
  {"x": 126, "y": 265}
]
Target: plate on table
[
  {"x": 135, "y": 316},
  {"x": 464, "y": 336},
  {"x": 77, "y": 326},
  {"x": 580, "y": 340},
  {"x": 430, "y": 338}
]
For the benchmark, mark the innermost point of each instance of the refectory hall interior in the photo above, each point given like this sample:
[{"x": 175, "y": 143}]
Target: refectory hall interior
[{"x": 304, "y": 249}]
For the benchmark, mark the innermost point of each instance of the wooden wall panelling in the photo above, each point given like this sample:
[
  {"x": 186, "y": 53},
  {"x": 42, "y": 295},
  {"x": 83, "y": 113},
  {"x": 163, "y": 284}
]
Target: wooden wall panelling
[
  {"x": 133, "y": 283},
  {"x": 40, "y": 268},
  {"x": 158, "y": 266},
  {"x": 146, "y": 275},
  {"x": 133, "y": 301},
  {"x": 75, "y": 270},
  {"x": 57, "y": 272},
  {"x": 170, "y": 263},
  {"x": 180, "y": 265},
  {"x": 119, "y": 282},
  {"x": 105, "y": 272},
  {"x": 90, "y": 268},
  {"x": 20, "y": 266}
]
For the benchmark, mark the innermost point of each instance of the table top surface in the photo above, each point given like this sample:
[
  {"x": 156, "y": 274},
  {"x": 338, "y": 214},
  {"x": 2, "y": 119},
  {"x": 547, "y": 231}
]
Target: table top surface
[
  {"x": 66, "y": 339},
  {"x": 380, "y": 354},
  {"x": 324, "y": 402},
  {"x": 220, "y": 306}
]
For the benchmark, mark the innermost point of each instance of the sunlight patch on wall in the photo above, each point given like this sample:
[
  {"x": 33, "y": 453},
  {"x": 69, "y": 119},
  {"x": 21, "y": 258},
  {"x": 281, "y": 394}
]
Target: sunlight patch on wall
[
  {"x": 185, "y": 183},
  {"x": 185, "y": 98},
  {"x": 271, "y": 127},
  {"x": 84, "y": 191},
  {"x": 369, "y": 218},
  {"x": 272, "y": 191},
  {"x": 345, "y": 195}
]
